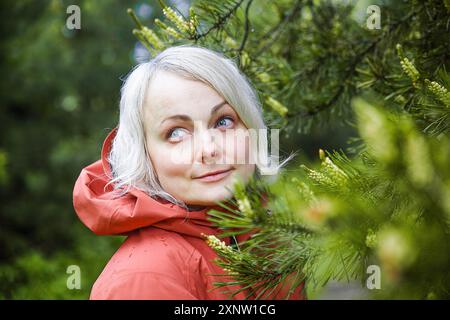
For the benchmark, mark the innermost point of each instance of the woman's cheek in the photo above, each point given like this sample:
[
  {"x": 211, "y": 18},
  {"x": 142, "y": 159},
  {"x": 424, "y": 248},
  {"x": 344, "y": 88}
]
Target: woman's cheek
[
  {"x": 179, "y": 153},
  {"x": 166, "y": 160},
  {"x": 173, "y": 177},
  {"x": 176, "y": 160},
  {"x": 238, "y": 148}
]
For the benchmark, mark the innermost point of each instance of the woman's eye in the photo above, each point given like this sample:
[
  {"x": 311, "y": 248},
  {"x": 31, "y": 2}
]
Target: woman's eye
[
  {"x": 176, "y": 133},
  {"x": 225, "y": 121}
]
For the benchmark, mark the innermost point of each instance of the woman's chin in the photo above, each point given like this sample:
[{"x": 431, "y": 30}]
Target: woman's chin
[{"x": 209, "y": 196}]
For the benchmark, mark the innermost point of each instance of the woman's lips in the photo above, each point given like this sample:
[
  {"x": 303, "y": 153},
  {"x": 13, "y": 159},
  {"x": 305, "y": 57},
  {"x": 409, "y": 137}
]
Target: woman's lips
[{"x": 215, "y": 177}]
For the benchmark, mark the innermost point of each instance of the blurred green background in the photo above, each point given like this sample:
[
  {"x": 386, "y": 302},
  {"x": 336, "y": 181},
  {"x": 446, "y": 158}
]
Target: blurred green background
[{"x": 59, "y": 99}]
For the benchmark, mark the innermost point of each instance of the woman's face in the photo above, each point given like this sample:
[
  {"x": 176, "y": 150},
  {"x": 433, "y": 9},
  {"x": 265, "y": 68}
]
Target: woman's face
[{"x": 191, "y": 132}]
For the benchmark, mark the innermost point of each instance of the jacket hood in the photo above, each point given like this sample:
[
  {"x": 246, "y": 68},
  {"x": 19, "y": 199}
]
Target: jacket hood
[{"x": 103, "y": 212}]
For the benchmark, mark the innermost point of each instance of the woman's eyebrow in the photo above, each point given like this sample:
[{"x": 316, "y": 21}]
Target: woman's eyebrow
[{"x": 185, "y": 117}]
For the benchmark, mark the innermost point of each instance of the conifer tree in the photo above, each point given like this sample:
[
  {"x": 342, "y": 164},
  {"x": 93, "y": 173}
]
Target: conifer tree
[{"x": 382, "y": 204}]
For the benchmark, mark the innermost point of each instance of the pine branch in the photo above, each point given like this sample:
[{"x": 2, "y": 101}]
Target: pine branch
[
  {"x": 246, "y": 30},
  {"x": 352, "y": 69},
  {"x": 220, "y": 22},
  {"x": 277, "y": 30}
]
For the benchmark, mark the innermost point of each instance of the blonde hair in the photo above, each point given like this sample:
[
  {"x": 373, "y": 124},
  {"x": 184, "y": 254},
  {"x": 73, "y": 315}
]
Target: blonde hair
[{"x": 129, "y": 161}]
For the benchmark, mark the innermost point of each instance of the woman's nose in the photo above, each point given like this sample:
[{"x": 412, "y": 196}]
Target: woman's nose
[{"x": 207, "y": 151}]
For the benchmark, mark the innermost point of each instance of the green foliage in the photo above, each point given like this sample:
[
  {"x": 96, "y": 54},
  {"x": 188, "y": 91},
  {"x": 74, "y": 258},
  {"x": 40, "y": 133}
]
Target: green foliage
[
  {"x": 60, "y": 92},
  {"x": 308, "y": 59},
  {"x": 389, "y": 207},
  {"x": 3, "y": 170},
  {"x": 35, "y": 275}
]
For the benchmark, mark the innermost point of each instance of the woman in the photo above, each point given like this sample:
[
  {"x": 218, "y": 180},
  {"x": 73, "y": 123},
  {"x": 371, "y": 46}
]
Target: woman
[{"x": 174, "y": 155}]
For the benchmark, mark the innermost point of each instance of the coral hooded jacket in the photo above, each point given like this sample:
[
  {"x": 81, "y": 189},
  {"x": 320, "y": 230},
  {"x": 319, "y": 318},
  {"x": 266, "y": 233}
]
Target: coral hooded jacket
[{"x": 164, "y": 255}]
